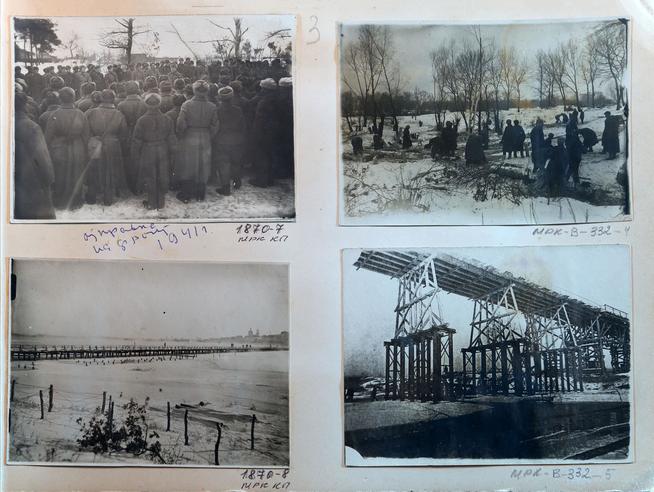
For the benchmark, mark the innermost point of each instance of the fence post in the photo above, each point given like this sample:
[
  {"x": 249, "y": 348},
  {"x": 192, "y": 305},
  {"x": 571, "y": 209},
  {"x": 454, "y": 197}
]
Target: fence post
[
  {"x": 215, "y": 452},
  {"x": 11, "y": 394},
  {"x": 104, "y": 400},
  {"x": 109, "y": 403},
  {"x": 186, "y": 428},
  {"x": 41, "y": 398},
  {"x": 50, "y": 395},
  {"x": 111, "y": 418},
  {"x": 254, "y": 419},
  {"x": 168, "y": 416}
]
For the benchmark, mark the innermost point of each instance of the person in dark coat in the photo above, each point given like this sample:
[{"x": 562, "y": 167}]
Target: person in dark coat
[
  {"x": 582, "y": 115},
  {"x": 265, "y": 130},
  {"x": 448, "y": 139},
  {"x": 52, "y": 100},
  {"x": 85, "y": 102},
  {"x": 196, "y": 125},
  {"x": 406, "y": 137},
  {"x": 611, "y": 135},
  {"x": 67, "y": 134},
  {"x": 556, "y": 167},
  {"x": 485, "y": 134},
  {"x": 590, "y": 138},
  {"x": 537, "y": 139},
  {"x": 377, "y": 142},
  {"x": 474, "y": 151},
  {"x": 33, "y": 170},
  {"x": 132, "y": 108},
  {"x": 575, "y": 151},
  {"x": 228, "y": 142},
  {"x": 153, "y": 145},
  {"x": 518, "y": 139},
  {"x": 435, "y": 146},
  {"x": 507, "y": 140},
  {"x": 35, "y": 83},
  {"x": 96, "y": 77},
  {"x": 357, "y": 144},
  {"x": 173, "y": 114},
  {"x": 285, "y": 148},
  {"x": 109, "y": 134}
]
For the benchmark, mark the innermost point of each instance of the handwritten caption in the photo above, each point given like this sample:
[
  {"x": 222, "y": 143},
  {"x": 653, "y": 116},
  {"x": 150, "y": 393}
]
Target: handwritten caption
[
  {"x": 260, "y": 478},
  {"x": 261, "y": 233},
  {"x": 573, "y": 473},
  {"x": 126, "y": 237},
  {"x": 594, "y": 231}
]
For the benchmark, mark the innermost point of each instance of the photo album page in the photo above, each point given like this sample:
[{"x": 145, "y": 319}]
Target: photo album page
[{"x": 326, "y": 246}]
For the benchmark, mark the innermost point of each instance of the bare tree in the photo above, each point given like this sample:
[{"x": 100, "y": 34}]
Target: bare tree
[
  {"x": 507, "y": 60},
  {"x": 572, "y": 67},
  {"x": 590, "y": 69},
  {"x": 122, "y": 38},
  {"x": 520, "y": 71},
  {"x": 356, "y": 78},
  {"x": 367, "y": 40},
  {"x": 438, "y": 73},
  {"x": 610, "y": 44},
  {"x": 182, "y": 40},
  {"x": 236, "y": 35},
  {"x": 72, "y": 45}
]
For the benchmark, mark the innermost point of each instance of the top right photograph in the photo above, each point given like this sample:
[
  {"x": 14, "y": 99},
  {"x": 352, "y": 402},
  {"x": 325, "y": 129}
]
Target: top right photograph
[{"x": 490, "y": 124}]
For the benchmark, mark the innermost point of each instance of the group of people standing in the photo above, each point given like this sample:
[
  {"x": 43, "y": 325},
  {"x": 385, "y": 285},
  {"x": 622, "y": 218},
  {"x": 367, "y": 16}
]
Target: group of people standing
[
  {"x": 560, "y": 162},
  {"x": 148, "y": 129}
]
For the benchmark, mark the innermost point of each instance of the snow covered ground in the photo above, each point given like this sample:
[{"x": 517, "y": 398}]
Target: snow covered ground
[
  {"x": 375, "y": 186},
  {"x": 248, "y": 203},
  {"x": 225, "y": 388}
]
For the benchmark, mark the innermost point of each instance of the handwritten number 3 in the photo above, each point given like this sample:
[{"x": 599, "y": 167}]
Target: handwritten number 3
[{"x": 314, "y": 29}]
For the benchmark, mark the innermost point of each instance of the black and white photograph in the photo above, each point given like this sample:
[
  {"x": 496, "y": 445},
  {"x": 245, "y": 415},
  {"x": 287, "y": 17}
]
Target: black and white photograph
[
  {"x": 499, "y": 355},
  {"x": 153, "y": 118},
  {"x": 149, "y": 363},
  {"x": 513, "y": 123}
]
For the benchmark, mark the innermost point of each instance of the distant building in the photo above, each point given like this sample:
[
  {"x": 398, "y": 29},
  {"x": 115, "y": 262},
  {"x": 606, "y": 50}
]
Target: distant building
[{"x": 250, "y": 332}]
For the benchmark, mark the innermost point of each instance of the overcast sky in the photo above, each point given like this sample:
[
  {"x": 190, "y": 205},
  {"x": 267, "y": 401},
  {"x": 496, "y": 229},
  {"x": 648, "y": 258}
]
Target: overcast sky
[
  {"x": 594, "y": 274},
  {"x": 192, "y": 28},
  {"x": 148, "y": 300},
  {"x": 414, "y": 43}
]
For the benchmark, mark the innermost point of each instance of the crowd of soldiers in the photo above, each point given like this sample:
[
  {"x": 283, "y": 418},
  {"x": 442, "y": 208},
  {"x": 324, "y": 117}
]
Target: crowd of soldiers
[
  {"x": 86, "y": 135},
  {"x": 559, "y": 163}
]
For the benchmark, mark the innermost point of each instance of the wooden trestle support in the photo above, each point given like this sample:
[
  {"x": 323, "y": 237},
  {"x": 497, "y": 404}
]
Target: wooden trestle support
[
  {"x": 420, "y": 366},
  {"x": 504, "y": 359}
]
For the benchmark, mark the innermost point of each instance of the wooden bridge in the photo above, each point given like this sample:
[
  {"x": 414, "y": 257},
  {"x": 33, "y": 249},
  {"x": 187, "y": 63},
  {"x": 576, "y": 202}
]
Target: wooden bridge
[{"x": 89, "y": 352}]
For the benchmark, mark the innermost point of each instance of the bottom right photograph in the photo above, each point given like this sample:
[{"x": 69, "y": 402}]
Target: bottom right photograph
[{"x": 492, "y": 355}]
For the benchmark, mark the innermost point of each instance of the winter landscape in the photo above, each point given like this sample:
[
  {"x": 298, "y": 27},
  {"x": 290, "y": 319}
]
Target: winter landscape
[
  {"x": 424, "y": 133},
  {"x": 153, "y": 118},
  {"x": 150, "y": 381},
  {"x": 487, "y": 355}
]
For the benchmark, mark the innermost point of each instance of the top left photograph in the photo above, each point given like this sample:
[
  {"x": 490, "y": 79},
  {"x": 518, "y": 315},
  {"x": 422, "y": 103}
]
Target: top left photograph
[{"x": 184, "y": 118}]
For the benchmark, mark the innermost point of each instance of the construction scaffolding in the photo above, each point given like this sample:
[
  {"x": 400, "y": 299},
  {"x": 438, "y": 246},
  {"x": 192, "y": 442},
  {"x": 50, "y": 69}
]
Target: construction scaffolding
[{"x": 524, "y": 338}]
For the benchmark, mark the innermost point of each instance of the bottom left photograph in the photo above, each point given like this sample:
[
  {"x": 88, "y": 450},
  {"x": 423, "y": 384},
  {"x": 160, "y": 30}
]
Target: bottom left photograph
[{"x": 149, "y": 363}]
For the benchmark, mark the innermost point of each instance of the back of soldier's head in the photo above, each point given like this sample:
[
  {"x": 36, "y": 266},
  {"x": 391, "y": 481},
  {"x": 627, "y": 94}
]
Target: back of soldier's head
[
  {"x": 66, "y": 95},
  {"x": 52, "y": 98},
  {"x": 178, "y": 100}
]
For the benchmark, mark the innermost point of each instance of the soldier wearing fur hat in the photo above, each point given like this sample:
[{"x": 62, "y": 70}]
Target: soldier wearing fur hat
[
  {"x": 196, "y": 125},
  {"x": 34, "y": 174},
  {"x": 153, "y": 147},
  {"x": 67, "y": 134},
  {"x": 108, "y": 129},
  {"x": 228, "y": 142},
  {"x": 265, "y": 132}
]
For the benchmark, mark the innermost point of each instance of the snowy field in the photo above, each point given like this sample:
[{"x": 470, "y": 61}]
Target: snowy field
[
  {"x": 225, "y": 388},
  {"x": 249, "y": 202},
  {"x": 396, "y": 186}
]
